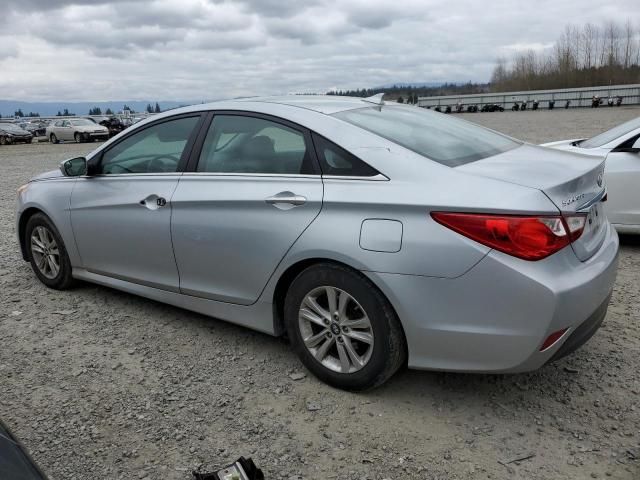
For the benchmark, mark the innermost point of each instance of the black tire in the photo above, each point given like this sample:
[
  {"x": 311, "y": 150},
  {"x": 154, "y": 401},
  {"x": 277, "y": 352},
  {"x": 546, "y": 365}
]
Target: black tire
[
  {"x": 53, "y": 139},
  {"x": 3, "y": 140},
  {"x": 63, "y": 280},
  {"x": 389, "y": 350},
  {"x": 77, "y": 137}
]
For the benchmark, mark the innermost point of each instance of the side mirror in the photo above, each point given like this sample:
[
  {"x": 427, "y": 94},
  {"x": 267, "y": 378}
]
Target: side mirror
[{"x": 74, "y": 167}]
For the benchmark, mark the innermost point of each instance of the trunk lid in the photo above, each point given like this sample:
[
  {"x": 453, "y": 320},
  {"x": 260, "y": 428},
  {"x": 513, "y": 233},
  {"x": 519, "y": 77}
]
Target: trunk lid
[{"x": 573, "y": 182}]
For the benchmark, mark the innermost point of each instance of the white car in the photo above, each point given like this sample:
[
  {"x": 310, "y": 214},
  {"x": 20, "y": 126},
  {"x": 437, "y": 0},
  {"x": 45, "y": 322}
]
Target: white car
[
  {"x": 76, "y": 129},
  {"x": 621, "y": 148}
]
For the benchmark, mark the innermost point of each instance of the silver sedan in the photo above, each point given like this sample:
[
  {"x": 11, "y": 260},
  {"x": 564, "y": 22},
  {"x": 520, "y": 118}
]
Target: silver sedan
[
  {"x": 78, "y": 130},
  {"x": 372, "y": 235},
  {"x": 621, "y": 148}
]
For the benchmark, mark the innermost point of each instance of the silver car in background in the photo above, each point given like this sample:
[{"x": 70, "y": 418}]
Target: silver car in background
[
  {"x": 78, "y": 130},
  {"x": 620, "y": 146},
  {"x": 373, "y": 235}
]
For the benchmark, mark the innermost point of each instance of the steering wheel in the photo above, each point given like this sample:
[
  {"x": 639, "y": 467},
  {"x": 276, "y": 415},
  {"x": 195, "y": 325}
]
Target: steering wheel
[{"x": 166, "y": 160}]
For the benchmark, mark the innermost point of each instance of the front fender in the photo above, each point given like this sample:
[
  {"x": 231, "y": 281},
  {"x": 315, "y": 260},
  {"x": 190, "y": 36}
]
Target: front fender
[{"x": 51, "y": 197}]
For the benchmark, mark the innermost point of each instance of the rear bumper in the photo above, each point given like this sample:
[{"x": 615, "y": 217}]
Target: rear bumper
[
  {"x": 583, "y": 332},
  {"x": 495, "y": 317}
]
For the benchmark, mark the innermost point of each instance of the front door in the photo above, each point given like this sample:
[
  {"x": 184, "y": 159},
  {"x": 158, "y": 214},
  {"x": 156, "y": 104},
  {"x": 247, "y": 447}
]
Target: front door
[
  {"x": 121, "y": 213},
  {"x": 64, "y": 131},
  {"x": 254, "y": 193}
]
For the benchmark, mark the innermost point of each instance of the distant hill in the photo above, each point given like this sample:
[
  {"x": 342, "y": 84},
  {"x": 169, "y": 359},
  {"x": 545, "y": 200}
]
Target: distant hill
[{"x": 45, "y": 109}]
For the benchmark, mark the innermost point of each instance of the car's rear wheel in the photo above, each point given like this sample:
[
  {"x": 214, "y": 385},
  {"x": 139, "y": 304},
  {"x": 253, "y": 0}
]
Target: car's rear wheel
[
  {"x": 47, "y": 253},
  {"x": 53, "y": 138},
  {"x": 342, "y": 328}
]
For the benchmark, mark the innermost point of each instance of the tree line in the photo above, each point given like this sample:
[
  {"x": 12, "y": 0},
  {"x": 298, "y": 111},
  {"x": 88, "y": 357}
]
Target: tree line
[
  {"x": 409, "y": 93},
  {"x": 583, "y": 56},
  {"x": 20, "y": 114}
]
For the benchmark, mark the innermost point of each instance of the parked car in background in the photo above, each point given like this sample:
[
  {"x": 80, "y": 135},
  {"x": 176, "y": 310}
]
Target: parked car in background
[
  {"x": 12, "y": 133},
  {"x": 492, "y": 107},
  {"x": 114, "y": 125},
  {"x": 36, "y": 128},
  {"x": 621, "y": 148},
  {"x": 376, "y": 235},
  {"x": 76, "y": 129}
]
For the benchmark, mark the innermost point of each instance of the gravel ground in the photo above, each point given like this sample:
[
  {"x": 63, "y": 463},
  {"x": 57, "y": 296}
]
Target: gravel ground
[{"x": 102, "y": 384}]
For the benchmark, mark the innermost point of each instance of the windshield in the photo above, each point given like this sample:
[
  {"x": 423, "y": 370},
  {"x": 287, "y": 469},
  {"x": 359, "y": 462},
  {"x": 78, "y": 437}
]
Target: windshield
[
  {"x": 611, "y": 135},
  {"x": 437, "y": 136},
  {"x": 81, "y": 121}
]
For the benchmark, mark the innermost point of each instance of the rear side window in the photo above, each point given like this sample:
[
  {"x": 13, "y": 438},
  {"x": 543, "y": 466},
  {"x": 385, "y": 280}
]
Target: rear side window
[
  {"x": 244, "y": 144},
  {"x": 336, "y": 161},
  {"x": 437, "y": 136}
]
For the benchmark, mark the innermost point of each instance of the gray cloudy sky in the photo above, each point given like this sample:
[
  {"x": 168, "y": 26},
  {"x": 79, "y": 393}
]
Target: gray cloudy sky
[{"x": 208, "y": 49}]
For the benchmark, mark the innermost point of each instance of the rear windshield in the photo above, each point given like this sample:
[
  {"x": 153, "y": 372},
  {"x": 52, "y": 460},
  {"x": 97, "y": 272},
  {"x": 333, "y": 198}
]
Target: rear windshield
[
  {"x": 437, "y": 136},
  {"x": 610, "y": 135}
]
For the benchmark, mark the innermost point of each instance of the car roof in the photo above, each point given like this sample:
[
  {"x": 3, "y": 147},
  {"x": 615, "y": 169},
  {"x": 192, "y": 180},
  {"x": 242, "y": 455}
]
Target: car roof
[{"x": 326, "y": 104}]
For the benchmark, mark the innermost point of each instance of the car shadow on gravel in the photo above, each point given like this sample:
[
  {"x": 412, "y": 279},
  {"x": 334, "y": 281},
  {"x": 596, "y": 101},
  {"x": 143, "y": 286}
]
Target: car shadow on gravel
[{"x": 632, "y": 241}]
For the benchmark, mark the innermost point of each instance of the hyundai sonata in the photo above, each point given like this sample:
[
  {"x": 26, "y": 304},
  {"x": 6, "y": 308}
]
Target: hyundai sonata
[{"x": 373, "y": 235}]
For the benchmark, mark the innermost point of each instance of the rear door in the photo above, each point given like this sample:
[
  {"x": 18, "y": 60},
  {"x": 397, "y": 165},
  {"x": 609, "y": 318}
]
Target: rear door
[{"x": 254, "y": 190}]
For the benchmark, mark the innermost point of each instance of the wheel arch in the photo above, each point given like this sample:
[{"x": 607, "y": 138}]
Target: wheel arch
[
  {"x": 292, "y": 271},
  {"x": 22, "y": 228}
]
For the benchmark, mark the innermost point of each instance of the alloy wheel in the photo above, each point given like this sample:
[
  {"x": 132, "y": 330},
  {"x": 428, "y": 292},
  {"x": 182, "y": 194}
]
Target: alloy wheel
[
  {"x": 45, "y": 251},
  {"x": 335, "y": 329}
]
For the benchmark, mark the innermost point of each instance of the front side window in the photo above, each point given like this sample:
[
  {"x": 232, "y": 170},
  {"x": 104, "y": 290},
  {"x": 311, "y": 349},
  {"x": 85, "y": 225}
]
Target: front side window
[
  {"x": 439, "y": 137},
  {"x": 156, "y": 149},
  {"x": 241, "y": 144}
]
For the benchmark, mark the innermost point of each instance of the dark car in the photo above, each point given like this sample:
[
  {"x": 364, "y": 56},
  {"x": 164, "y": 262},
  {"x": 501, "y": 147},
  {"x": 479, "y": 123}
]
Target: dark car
[
  {"x": 114, "y": 125},
  {"x": 12, "y": 133},
  {"x": 492, "y": 107},
  {"x": 37, "y": 128},
  {"x": 15, "y": 461}
]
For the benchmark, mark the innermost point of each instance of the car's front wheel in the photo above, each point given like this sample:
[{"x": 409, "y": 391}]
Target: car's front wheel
[
  {"x": 342, "y": 328},
  {"x": 77, "y": 137},
  {"x": 47, "y": 253},
  {"x": 53, "y": 138}
]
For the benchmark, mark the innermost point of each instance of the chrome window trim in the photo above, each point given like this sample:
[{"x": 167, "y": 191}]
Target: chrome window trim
[
  {"x": 111, "y": 175},
  {"x": 375, "y": 178}
]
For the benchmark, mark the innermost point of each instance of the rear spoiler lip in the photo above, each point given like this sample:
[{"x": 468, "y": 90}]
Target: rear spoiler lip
[{"x": 598, "y": 198}]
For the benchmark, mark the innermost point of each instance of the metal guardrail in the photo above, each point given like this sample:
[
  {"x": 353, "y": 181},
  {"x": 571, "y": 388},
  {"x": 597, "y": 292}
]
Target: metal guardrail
[{"x": 579, "y": 97}]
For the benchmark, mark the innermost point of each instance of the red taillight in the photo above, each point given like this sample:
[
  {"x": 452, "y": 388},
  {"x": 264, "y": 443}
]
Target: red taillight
[{"x": 526, "y": 237}]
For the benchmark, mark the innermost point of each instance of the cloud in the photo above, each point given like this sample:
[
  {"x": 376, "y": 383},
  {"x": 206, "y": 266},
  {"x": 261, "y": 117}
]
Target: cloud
[{"x": 208, "y": 49}]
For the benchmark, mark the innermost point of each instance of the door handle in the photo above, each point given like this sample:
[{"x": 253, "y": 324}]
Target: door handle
[
  {"x": 153, "y": 202},
  {"x": 286, "y": 200}
]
